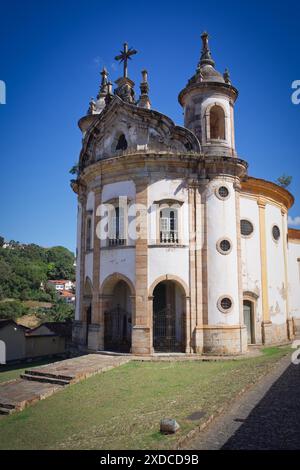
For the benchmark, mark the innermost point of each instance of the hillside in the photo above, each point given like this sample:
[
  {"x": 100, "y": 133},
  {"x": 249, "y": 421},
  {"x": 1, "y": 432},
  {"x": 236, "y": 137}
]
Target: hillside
[{"x": 24, "y": 269}]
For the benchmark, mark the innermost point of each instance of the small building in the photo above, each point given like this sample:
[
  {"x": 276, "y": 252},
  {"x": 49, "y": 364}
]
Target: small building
[
  {"x": 68, "y": 296},
  {"x": 61, "y": 284},
  {"x": 18, "y": 342},
  {"x": 12, "y": 341}
]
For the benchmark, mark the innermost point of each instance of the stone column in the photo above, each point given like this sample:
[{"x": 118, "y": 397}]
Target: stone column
[
  {"x": 141, "y": 336},
  {"x": 96, "y": 329},
  {"x": 243, "y": 330},
  {"x": 79, "y": 326}
]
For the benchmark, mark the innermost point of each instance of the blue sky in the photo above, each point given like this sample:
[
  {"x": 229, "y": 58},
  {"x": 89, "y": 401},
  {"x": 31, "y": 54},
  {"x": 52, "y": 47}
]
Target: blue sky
[{"x": 51, "y": 53}]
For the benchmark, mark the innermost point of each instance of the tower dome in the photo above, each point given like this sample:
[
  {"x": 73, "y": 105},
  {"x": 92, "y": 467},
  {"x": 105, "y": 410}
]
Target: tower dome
[{"x": 208, "y": 101}]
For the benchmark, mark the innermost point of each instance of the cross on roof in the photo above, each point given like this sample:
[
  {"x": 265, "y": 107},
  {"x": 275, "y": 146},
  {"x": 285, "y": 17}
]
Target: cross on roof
[{"x": 124, "y": 56}]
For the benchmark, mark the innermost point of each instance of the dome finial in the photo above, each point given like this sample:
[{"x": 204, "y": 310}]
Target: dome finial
[{"x": 206, "y": 58}]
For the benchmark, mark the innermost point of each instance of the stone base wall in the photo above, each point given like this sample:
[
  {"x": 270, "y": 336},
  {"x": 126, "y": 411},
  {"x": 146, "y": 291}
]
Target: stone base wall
[
  {"x": 79, "y": 332},
  {"x": 96, "y": 337},
  {"x": 273, "y": 334},
  {"x": 141, "y": 341},
  {"x": 221, "y": 340},
  {"x": 296, "y": 326}
]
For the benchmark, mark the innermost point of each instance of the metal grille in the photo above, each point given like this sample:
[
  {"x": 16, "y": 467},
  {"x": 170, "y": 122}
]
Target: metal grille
[
  {"x": 116, "y": 241},
  {"x": 246, "y": 227},
  {"x": 276, "y": 232},
  {"x": 169, "y": 237},
  {"x": 116, "y": 330},
  {"x": 164, "y": 331}
]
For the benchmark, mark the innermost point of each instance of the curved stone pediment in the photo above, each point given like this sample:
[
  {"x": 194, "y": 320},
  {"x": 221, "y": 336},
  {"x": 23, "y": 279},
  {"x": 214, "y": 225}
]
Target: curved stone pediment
[{"x": 125, "y": 127}]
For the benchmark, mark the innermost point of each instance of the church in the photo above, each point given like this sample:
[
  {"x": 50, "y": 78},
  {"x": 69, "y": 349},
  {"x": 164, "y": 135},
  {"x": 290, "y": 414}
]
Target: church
[{"x": 179, "y": 249}]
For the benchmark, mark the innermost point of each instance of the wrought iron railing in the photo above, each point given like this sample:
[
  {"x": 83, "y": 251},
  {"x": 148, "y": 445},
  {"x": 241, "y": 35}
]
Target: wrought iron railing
[{"x": 169, "y": 237}]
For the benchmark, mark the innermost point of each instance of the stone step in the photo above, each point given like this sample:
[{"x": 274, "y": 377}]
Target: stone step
[
  {"x": 6, "y": 411},
  {"x": 44, "y": 379},
  {"x": 7, "y": 406},
  {"x": 40, "y": 373}
]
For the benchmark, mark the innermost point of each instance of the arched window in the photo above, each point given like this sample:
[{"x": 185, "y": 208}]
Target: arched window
[
  {"x": 88, "y": 239},
  {"x": 168, "y": 225},
  {"x": 122, "y": 143},
  {"x": 217, "y": 123}
]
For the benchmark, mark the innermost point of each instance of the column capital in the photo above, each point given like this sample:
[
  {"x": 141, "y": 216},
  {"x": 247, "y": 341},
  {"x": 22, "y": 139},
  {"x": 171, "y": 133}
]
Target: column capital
[{"x": 261, "y": 202}]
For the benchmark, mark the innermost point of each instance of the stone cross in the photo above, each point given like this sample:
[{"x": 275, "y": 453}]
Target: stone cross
[{"x": 124, "y": 56}]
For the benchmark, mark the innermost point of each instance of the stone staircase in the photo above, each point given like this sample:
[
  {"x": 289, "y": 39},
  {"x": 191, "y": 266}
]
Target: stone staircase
[
  {"x": 46, "y": 377},
  {"x": 7, "y": 408}
]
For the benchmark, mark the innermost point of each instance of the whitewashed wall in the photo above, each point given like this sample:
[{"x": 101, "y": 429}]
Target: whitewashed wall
[
  {"x": 294, "y": 278},
  {"x": 222, "y": 269},
  {"x": 275, "y": 266},
  {"x": 117, "y": 260},
  {"x": 251, "y": 260},
  {"x": 164, "y": 260}
]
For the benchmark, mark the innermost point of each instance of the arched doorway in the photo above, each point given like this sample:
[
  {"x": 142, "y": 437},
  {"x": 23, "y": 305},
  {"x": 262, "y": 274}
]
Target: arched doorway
[
  {"x": 2, "y": 352},
  {"x": 118, "y": 318},
  {"x": 168, "y": 317},
  {"x": 249, "y": 321}
]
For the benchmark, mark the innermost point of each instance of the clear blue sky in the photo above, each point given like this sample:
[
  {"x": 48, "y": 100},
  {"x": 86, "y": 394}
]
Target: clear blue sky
[{"x": 51, "y": 53}]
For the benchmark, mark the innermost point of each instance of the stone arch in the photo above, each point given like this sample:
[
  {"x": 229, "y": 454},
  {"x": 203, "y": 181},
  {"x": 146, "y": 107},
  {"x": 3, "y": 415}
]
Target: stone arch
[
  {"x": 118, "y": 307},
  {"x": 216, "y": 111},
  {"x": 2, "y": 352},
  {"x": 110, "y": 281},
  {"x": 169, "y": 277},
  {"x": 169, "y": 307}
]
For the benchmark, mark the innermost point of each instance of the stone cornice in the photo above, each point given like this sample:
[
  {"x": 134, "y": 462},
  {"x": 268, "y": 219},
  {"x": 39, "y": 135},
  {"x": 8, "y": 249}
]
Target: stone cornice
[
  {"x": 294, "y": 234},
  {"x": 266, "y": 189}
]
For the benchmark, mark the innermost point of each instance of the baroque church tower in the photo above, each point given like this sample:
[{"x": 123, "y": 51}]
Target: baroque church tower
[{"x": 168, "y": 222}]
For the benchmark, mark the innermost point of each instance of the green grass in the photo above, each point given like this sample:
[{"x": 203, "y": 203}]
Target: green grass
[{"x": 122, "y": 408}]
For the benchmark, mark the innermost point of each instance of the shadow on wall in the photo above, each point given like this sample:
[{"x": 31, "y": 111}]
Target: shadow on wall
[{"x": 274, "y": 424}]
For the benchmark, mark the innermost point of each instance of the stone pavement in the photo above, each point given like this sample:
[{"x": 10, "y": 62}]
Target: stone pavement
[
  {"x": 39, "y": 383},
  {"x": 265, "y": 418}
]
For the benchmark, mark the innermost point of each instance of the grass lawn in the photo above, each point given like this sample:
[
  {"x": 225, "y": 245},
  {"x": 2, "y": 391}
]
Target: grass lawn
[{"x": 122, "y": 408}]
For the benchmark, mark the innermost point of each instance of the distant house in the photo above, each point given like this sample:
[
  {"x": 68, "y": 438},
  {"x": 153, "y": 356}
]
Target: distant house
[
  {"x": 18, "y": 342},
  {"x": 68, "y": 296},
  {"x": 61, "y": 284}
]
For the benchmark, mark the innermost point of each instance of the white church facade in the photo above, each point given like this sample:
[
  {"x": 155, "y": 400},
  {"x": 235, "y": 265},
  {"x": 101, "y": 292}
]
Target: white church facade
[{"x": 179, "y": 249}]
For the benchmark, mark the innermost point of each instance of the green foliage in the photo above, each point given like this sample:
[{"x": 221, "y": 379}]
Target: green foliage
[
  {"x": 61, "y": 311},
  {"x": 24, "y": 267},
  {"x": 12, "y": 309},
  {"x": 284, "y": 180},
  {"x": 74, "y": 170},
  {"x": 1, "y": 241}
]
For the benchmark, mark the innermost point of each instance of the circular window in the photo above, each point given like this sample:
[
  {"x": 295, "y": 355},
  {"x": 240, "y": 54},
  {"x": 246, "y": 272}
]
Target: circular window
[
  {"x": 225, "y": 304},
  {"x": 224, "y": 246},
  {"x": 276, "y": 232},
  {"x": 223, "y": 192},
  {"x": 246, "y": 227}
]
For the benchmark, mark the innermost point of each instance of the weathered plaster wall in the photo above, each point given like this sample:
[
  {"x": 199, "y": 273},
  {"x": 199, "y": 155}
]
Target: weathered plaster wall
[
  {"x": 275, "y": 267},
  {"x": 168, "y": 260},
  {"x": 222, "y": 269},
  {"x": 294, "y": 277}
]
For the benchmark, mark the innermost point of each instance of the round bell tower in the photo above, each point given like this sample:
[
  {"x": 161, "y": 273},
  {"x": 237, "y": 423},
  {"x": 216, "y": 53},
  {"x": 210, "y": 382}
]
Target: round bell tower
[{"x": 208, "y": 101}]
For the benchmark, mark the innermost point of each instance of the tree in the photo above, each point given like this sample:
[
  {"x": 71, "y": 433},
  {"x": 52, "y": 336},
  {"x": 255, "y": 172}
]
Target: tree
[
  {"x": 284, "y": 180},
  {"x": 12, "y": 310},
  {"x": 1, "y": 241}
]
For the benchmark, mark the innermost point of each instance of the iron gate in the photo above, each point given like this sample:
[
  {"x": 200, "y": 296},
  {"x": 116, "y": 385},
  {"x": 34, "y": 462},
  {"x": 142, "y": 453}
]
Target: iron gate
[
  {"x": 164, "y": 331},
  {"x": 117, "y": 330}
]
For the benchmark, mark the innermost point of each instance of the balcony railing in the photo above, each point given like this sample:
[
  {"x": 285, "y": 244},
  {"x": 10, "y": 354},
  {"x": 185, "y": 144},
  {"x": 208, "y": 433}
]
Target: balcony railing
[
  {"x": 170, "y": 237},
  {"x": 116, "y": 242}
]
